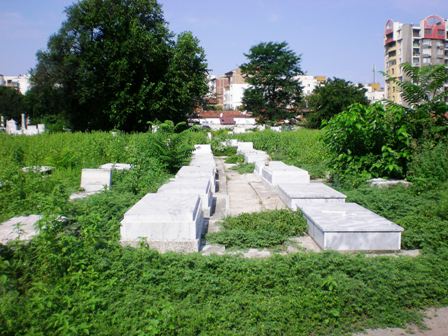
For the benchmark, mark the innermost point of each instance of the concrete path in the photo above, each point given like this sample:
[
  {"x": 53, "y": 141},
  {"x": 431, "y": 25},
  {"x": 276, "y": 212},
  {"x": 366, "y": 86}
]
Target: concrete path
[
  {"x": 246, "y": 193},
  {"x": 436, "y": 322}
]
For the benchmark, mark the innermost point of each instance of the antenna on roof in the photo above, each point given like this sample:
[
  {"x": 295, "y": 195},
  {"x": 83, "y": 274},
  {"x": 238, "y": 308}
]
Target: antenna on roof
[{"x": 374, "y": 74}]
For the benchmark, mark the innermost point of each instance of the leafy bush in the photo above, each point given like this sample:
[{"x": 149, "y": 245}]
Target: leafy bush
[
  {"x": 302, "y": 148},
  {"x": 263, "y": 229},
  {"x": 244, "y": 168},
  {"x": 369, "y": 139},
  {"x": 429, "y": 165},
  {"x": 234, "y": 159}
]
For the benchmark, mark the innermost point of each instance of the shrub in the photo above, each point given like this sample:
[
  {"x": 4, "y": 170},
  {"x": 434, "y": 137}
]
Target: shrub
[
  {"x": 234, "y": 159},
  {"x": 244, "y": 168},
  {"x": 429, "y": 165},
  {"x": 369, "y": 139},
  {"x": 263, "y": 229}
]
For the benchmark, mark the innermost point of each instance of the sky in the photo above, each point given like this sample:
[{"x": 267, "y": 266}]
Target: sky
[{"x": 335, "y": 38}]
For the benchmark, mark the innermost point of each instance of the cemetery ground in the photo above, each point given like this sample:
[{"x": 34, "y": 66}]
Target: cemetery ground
[{"x": 74, "y": 278}]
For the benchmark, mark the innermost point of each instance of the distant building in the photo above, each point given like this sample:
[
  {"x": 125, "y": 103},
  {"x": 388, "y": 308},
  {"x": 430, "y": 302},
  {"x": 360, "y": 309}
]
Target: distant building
[
  {"x": 20, "y": 83},
  {"x": 374, "y": 92},
  {"x": 417, "y": 44},
  {"x": 309, "y": 83},
  {"x": 224, "y": 119},
  {"x": 233, "y": 90}
]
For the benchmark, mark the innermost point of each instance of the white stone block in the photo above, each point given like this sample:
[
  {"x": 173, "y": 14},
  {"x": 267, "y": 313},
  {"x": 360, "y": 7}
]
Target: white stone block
[
  {"x": 38, "y": 169},
  {"x": 243, "y": 147},
  {"x": 296, "y": 195},
  {"x": 203, "y": 149},
  {"x": 167, "y": 222},
  {"x": 350, "y": 227},
  {"x": 254, "y": 156},
  {"x": 116, "y": 166},
  {"x": 197, "y": 186},
  {"x": 275, "y": 175},
  {"x": 93, "y": 180},
  {"x": 21, "y": 228}
]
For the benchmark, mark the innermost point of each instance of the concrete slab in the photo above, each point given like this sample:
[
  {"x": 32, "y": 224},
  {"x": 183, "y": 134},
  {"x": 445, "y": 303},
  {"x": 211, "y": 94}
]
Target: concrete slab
[
  {"x": 296, "y": 195},
  {"x": 19, "y": 228},
  {"x": 383, "y": 183},
  {"x": 93, "y": 180},
  {"x": 350, "y": 227},
  {"x": 199, "y": 186},
  {"x": 275, "y": 175},
  {"x": 116, "y": 166},
  {"x": 167, "y": 222},
  {"x": 243, "y": 147},
  {"x": 192, "y": 172},
  {"x": 44, "y": 170}
]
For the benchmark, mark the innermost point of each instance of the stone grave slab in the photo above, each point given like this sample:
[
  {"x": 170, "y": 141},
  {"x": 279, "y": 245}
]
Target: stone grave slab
[
  {"x": 21, "y": 228},
  {"x": 383, "y": 183},
  {"x": 167, "y": 222},
  {"x": 116, "y": 166},
  {"x": 197, "y": 186},
  {"x": 243, "y": 147},
  {"x": 192, "y": 172},
  {"x": 95, "y": 180},
  {"x": 44, "y": 170},
  {"x": 206, "y": 148},
  {"x": 275, "y": 175},
  {"x": 296, "y": 195},
  {"x": 254, "y": 156},
  {"x": 350, "y": 227}
]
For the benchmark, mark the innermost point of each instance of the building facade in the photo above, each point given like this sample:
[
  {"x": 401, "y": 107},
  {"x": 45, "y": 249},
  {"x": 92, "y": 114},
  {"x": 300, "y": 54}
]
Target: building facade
[
  {"x": 20, "y": 83},
  {"x": 417, "y": 44},
  {"x": 309, "y": 83}
]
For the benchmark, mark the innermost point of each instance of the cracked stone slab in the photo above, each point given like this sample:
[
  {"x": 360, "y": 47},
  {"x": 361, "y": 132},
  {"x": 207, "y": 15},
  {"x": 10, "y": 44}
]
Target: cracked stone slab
[{"x": 21, "y": 228}]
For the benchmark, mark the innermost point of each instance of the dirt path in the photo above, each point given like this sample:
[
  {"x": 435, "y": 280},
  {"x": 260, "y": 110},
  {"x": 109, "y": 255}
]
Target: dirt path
[{"x": 436, "y": 321}]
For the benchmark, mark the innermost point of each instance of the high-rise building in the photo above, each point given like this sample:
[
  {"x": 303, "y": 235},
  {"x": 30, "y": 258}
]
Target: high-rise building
[{"x": 417, "y": 44}]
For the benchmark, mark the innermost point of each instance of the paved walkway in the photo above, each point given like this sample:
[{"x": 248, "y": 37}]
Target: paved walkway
[{"x": 246, "y": 193}]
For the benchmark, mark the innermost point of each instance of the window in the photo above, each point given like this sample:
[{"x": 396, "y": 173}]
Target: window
[
  {"x": 426, "y": 60},
  {"x": 440, "y": 33},
  {"x": 393, "y": 71},
  {"x": 415, "y": 33},
  {"x": 428, "y": 31}
]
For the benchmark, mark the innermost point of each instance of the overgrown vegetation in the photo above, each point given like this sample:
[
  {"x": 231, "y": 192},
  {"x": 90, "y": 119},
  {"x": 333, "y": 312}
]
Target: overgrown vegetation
[
  {"x": 244, "y": 168},
  {"x": 303, "y": 148},
  {"x": 236, "y": 158},
  {"x": 75, "y": 279},
  {"x": 262, "y": 229}
]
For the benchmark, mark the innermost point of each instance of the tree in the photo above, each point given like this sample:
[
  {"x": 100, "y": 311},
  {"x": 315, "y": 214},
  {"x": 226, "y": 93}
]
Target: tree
[
  {"x": 11, "y": 103},
  {"x": 274, "y": 90},
  {"x": 108, "y": 66},
  {"x": 332, "y": 98},
  {"x": 424, "y": 92}
]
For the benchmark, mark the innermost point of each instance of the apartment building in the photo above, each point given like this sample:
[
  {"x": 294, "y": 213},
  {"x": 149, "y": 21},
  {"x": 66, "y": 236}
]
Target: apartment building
[
  {"x": 20, "y": 83},
  {"x": 417, "y": 44}
]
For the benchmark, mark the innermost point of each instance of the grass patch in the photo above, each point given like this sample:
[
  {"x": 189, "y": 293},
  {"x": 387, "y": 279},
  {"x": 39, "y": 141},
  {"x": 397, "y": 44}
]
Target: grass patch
[
  {"x": 263, "y": 229},
  {"x": 236, "y": 158},
  {"x": 302, "y": 148},
  {"x": 221, "y": 150},
  {"x": 244, "y": 168}
]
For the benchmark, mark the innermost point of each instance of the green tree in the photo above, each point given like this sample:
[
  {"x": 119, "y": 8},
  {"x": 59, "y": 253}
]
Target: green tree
[
  {"x": 108, "y": 66},
  {"x": 332, "y": 98},
  {"x": 274, "y": 90},
  {"x": 11, "y": 103},
  {"x": 425, "y": 95}
]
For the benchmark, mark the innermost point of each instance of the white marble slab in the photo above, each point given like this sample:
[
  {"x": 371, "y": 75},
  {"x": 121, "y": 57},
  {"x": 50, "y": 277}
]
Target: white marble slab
[
  {"x": 296, "y": 195},
  {"x": 350, "y": 227},
  {"x": 275, "y": 175},
  {"x": 93, "y": 180},
  {"x": 116, "y": 166},
  {"x": 19, "y": 228},
  {"x": 197, "y": 186},
  {"x": 167, "y": 222},
  {"x": 243, "y": 147}
]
